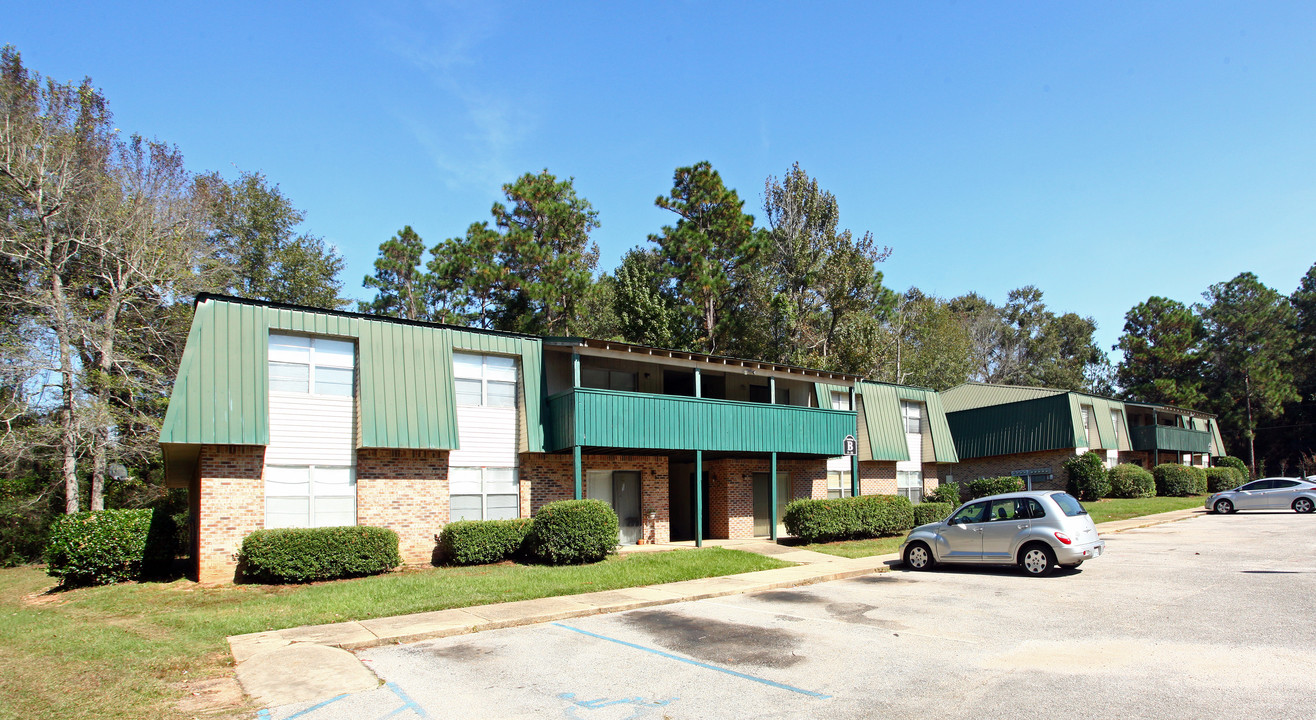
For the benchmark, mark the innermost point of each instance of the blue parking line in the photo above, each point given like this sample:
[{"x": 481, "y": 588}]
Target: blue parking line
[
  {"x": 409, "y": 704},
  {"x": 696, "y": 663},
  {"x": 310, "y": 709}
]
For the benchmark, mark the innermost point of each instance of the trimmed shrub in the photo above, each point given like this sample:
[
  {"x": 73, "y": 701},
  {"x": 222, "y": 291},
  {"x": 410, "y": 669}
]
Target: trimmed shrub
[
  {"x": 930, "y": 512},
  {"x": 110, "y": 546},
  {"x": 948, "y": 493},
  {"x": 481, "y": 542},
  {"x": 298, "y": 555},
  {"x": 571, "y": 532},
  {"x": 1131, "y": 481},
  {"x": 1199, "y": 479},
  {"x": 982, "y": 487},
  {"x": 1219, "y": 479},
  {"x": 1087, "y": 477},
  {"x": 1175, "y": 480},
  {"x": 849, "y": 518},
  {"x": 1237, "y": 464}
]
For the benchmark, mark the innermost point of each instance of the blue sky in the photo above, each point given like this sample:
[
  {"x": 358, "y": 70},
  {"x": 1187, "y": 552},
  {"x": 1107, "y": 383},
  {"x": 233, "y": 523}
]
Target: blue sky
[{"x": 1104, "y": 152}]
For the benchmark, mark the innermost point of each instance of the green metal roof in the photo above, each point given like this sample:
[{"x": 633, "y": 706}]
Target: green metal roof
[
  {"x": 1028, "y": 419},
  {"x": 886, "y": 426},
  {"x": 404, "y": 375},
  {"x": 970, "y": 395}
]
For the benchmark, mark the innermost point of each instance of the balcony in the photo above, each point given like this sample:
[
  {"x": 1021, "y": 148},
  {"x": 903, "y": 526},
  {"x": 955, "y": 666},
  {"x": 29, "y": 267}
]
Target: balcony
[
  {"x": 1164, "y": 437},
  {"x": 646, "y": 421}
]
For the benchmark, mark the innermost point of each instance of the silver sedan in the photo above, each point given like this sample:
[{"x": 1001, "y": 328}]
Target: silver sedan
[
  {"x": 1276, "y": 493},
  {"x": 1036, "y": 530}
]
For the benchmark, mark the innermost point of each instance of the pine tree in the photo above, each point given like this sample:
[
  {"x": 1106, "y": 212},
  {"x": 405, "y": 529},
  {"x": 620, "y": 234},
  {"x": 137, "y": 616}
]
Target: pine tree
[{"x": 400, "y": 282}]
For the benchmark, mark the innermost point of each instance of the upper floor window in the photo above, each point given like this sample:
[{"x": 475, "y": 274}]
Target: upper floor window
[
  {"x": 1087, "y": 423},
  {"x": 315, "y": 366},
  {"x": 484, "y": 380},
  {"x": 840, "y": 400},
  {"x": 912, "y": 414},
  {"x": 604, "y": 379}
]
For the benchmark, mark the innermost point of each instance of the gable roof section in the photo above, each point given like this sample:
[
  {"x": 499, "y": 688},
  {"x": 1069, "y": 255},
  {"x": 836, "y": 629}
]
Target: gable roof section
[
  {"x": 404, "y": 376},
  {"x": 886, "y": 427},
  {"x": 971, "y": 395},
  {"x": 1042, "y": 423}
]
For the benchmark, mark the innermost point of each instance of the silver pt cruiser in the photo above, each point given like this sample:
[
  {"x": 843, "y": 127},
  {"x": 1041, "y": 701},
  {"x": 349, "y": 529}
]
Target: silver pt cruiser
[{"x": 1036, "y": 530}]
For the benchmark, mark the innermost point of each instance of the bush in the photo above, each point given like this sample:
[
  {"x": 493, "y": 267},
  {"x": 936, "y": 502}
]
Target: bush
[
  {"x": 1199, "y": 479},
  {"x": 1087, "y": 477},
  {"x": 1230, "y": 461},
  {"x": 481, "y": 542},
  {"x": 848, "y": 518},
  {"x": 1219, "y": 479},
  {"x": 983, "y": 487},
  {"x": 930, "y": 512},
  {"x": 110, "y": 546},
  {"x": 1175, "y": 480},
  {"x": 1131, "y": 481},
  {"x": 948, "y": 493},
  {"x": 570, "y": 532},
  {"x": 308, "y": 554}
]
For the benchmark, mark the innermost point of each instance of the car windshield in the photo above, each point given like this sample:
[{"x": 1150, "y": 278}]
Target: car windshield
[{"x": 1068, "y": 505}]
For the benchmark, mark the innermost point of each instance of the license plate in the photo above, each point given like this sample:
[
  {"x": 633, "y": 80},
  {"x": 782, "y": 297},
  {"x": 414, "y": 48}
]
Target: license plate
[{"x": 1096, "y": 552}]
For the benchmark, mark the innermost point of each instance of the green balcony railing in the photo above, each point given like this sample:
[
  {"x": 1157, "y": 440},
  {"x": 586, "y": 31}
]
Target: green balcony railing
[
  {"x": 644, "y": 421},
  {"x": 1164, "y": 437}
]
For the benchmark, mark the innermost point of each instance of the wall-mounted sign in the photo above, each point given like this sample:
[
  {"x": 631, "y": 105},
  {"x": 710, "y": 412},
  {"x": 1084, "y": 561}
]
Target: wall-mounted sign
[{"x": 851, "y": 446}]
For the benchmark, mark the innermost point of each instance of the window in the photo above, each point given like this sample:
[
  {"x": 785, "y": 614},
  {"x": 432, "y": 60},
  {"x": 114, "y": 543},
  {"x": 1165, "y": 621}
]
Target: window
[
  {"x": 838, "y": 484},
  {"x": 607, "y": 379},
  {"x": 1008, "y": 509},
  {"x": 1087, "y": 423},
  {"x": 1280, "y": 484},
  {"x": 315, "y": 366},
  {"x": 969, "y": 514},
  {"x": 1068, "y": 505},
  {"x": 1117, "y": 421},
  {"x": 840, "y": 400},
  {"x": 487, "y": 493},
  {"x": 301, "y": 496},
  {"x": 783, "y": 396},
  {"x": 910, "y": 484},
  {"x": 484, "y": 380},
  {"x": 1035, "y": 509},
  {"x": 1040, "y": 476},
  {"x": 913, "y": 416}
]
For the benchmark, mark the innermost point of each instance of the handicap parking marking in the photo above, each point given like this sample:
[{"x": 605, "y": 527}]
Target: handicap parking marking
[
  {"x": 640, "y": 705},
  {"x": 407, "y": 705},
  {"x": 696, "y": 663}
]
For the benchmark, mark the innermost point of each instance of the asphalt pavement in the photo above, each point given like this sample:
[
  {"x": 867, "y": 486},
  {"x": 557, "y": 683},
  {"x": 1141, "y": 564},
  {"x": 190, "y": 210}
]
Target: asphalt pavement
[{"x": 1208, "y": 617}]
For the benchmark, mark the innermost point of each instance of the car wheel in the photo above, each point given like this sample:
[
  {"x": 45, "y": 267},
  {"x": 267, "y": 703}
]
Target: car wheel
[
  {"x": 918, "y": 557},
  {"x": 1303, "y": 505},
  {"x": 1037, "y": 560},
  {"x": 1224, "y": 507}
]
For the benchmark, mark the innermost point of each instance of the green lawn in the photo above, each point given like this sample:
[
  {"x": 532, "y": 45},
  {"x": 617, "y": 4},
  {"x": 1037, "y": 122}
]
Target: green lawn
[
  {"x": 123, "y": 651},
  {"x": 1101, "y": 511},
  {"x": 1115, "y": 509}
]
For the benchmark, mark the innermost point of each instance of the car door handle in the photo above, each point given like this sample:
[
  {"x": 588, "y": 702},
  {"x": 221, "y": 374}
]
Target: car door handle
[
  {"x": 1023, "y": 526},
  {"x": 977, "y": 529}
]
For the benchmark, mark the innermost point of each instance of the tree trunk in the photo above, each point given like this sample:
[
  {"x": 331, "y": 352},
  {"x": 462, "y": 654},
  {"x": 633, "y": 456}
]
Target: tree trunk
[
  {"x": 101, "y": 437},
  {"x": 1251, "y": 434},
  {"x": 68, "y": 440}
]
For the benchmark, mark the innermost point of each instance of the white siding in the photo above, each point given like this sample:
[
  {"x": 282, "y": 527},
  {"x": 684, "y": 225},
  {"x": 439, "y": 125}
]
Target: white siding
[
  {"x": 488, "y": 437},
  {"x": 311, "y": 430},
  {"x": 839, "y": 464}
]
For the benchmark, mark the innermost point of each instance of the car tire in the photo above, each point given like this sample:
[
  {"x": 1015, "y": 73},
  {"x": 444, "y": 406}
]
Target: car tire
[
  {"x": 1223, "y": 507},
  {"x": 1037, "y": 559},
  {"x": 1303, "y": 505},
  {"x": 918, "y": 557}
]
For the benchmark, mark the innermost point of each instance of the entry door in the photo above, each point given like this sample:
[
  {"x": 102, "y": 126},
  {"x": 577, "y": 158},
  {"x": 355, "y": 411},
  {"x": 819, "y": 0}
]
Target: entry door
[
  {"x": 621, "y": 490},
  {"x": 763, "y": 500}
]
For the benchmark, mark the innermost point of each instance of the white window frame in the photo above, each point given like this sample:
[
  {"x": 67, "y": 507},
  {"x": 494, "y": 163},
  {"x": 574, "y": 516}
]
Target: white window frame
[
  {"x": 910, "y": 484},
  {"x": 310, "y": 494},
  {"x": 912, "y": 411},
  {"x": 323, "y": 359},
  {"x": 484, "y": 378},
  {"x": 845, "y": 488},
  {"x": 841, "y": 400},
  {"x": 484, "y": 493}
]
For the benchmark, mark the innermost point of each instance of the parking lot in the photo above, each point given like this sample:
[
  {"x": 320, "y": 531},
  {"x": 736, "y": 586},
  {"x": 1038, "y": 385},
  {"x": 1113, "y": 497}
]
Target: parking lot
[{"x": 1209, "y": 617}]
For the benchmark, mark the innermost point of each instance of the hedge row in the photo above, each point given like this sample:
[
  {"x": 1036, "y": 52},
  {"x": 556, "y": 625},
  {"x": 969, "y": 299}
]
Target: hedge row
[
  {"x": 849, "y": 518},
  {"x": 1223, "y": 478},
  {"x": 930, "y": 512},
  {"x": 947, "y": 492},
  {"x": 1131, "y": 481},
  {"x": 308, "y": 554},
  {"x": 983, "y": 487},
  {"x": 1177, "y": 480},
  {"x": 482, "y": 542},
  {"x": 110, "y": 546},
  {"x": 570, "y": 532},
  {"x": 1237, "y": 464},
  {"x": 1087, "y": 477}
]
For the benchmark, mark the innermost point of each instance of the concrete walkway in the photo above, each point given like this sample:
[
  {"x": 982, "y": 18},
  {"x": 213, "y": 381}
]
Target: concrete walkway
[{"x": 267, "y": 662}]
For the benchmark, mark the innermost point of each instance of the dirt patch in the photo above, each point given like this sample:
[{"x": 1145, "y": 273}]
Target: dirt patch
[
  {"x": 881, "y": 578},
  {"x": 857, "y": 613},
  {"x": 788, "y": 596},
  {"x": 461, "y": 652},
  {"x": 717, "y": 641},
  {"x": 211, "y": 696}
]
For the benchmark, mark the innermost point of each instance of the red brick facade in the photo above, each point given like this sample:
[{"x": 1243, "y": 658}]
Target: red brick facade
[
  {"x": 407, "y": 491},
  {"x": 546, "y": 478},
  {"x": 1004, "y": 465},
  {"x": 231, "y": 488}
]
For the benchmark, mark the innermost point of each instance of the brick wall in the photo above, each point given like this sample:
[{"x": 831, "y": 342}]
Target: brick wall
[
  {"x": 1001, "y": 465},
  {"x": 808, "y": 476},
  {"x": 407, "y": 491},
  {"x": 877, "y": 477},
  {"x": 546, "y": 478},
  {"x": 232, "y": 504},
  {"x": 731, "y": 495}
]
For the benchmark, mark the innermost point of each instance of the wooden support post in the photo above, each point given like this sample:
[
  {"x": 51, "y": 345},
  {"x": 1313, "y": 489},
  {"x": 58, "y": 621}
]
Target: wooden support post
[
  {"x": 699, "y": 390},
  {"x": 699, "y": 489},
  {"x": 575, "y": 370},
  {"x": 772, "y": 398},
  {"x": 772, "y": 514}
]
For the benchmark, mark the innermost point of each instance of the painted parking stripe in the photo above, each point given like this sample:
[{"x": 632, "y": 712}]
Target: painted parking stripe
[
  {"x": 696, "y": 663},
  {"x": 266, "y": 713}
]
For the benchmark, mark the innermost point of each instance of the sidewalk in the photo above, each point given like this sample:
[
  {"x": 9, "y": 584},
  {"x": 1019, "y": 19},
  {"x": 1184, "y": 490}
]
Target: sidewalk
[{"x": 300, "y": 664}]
